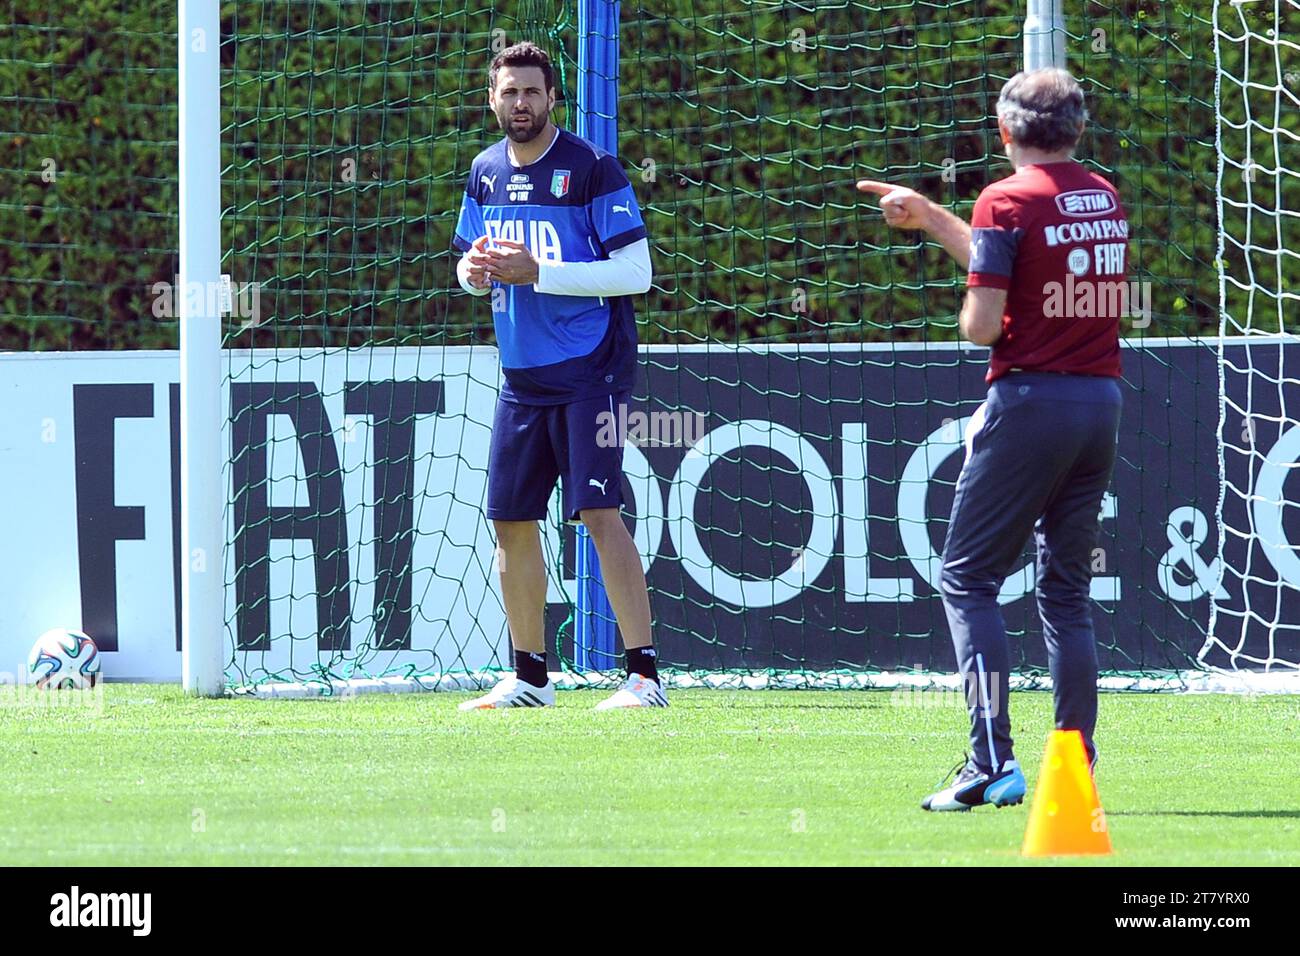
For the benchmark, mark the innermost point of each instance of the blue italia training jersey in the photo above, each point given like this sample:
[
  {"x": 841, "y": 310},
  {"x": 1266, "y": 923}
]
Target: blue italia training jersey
[{"x": 574, "y": 204}]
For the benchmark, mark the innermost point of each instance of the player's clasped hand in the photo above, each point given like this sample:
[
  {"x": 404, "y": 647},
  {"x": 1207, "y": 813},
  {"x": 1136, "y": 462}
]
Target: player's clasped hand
[
  {"x": 478, "y": 260},
  {"x": 903, "y": 208},
  {"x": 513, "y": 266}
]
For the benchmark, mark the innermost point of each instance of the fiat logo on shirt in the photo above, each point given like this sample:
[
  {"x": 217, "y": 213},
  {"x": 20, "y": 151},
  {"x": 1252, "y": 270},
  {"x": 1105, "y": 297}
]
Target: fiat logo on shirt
[{"x": 1079, "y": 261}]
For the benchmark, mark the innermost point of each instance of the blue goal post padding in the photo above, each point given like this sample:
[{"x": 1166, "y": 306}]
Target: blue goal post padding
[{"x": 593, "y": 639}]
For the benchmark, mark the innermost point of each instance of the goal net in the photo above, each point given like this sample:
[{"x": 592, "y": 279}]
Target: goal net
[
  {"x": 1255, "y": 621},
  {"x": 803, "y": 391}
]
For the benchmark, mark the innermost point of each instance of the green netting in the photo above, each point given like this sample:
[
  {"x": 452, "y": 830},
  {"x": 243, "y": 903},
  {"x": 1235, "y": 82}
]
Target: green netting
[
  {"x": 347, "y": 131},
  {"x": 88, "y": 154}
]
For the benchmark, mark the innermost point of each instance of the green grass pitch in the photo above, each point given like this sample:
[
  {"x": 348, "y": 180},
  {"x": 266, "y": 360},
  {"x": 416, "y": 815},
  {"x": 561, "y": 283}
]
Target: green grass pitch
[{"x": 764, "y": 777}]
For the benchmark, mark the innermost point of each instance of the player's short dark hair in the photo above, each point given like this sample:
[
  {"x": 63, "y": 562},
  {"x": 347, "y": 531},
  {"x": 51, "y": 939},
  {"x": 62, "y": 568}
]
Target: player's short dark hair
[
  {"x": 522, "y": 54},
  {"x": 1043, "y": 109}
]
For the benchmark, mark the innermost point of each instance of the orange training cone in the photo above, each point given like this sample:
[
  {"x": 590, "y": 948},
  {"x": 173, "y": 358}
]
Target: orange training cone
[{"x": 1066, "y": 817}]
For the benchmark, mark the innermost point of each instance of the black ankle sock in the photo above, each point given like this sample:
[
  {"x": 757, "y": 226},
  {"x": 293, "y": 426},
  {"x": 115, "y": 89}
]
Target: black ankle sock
[
  {"x": 531, "y": 668},
  {"x": 641, "y": 660}
]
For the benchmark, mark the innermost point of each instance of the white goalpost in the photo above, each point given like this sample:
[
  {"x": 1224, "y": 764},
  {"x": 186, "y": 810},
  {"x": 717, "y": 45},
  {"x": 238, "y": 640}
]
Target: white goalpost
[
  {"x": 1044, "y": 34},
  {"x": 202, "y": 461}
]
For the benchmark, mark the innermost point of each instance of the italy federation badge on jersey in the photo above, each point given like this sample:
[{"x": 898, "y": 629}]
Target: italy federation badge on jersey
[{"x": 560, "y": 183}]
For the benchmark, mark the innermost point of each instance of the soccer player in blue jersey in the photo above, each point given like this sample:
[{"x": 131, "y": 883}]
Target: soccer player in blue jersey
[{"x": 550, "y": 229}]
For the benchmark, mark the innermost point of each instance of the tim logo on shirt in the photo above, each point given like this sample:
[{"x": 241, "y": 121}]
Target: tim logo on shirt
[{"x": 1085, "y": 202}]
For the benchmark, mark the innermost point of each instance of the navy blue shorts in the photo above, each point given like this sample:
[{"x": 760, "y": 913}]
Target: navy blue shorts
[{"x": 532, "y": 445}]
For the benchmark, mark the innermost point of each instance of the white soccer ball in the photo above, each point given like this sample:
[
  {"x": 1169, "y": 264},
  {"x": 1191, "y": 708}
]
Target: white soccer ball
[{"x": 64, "y": 660}]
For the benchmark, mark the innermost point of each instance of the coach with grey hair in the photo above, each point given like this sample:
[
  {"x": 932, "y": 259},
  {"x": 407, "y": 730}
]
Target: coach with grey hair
[{"x": 1041, "y": 449}]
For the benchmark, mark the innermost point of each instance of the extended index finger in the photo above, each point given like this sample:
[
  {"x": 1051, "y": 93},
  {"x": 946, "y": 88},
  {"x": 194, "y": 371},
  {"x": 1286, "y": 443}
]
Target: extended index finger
[{"x": 874, "y": 186}]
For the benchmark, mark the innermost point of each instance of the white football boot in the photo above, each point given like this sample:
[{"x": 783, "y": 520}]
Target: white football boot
[
  {"x": 637, "y": 691},
  {"x": 513, "y": 692}
]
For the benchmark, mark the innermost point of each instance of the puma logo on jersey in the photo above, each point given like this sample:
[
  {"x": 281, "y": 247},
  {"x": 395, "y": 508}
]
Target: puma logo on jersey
[
  {"x": 489, "y": 181},
  {"x": 598, "y": 484},
  {"x": 622, "y": 209}
]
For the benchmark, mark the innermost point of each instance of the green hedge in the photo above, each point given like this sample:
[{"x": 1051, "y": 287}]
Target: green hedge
[{"x": 743, "y": 127}]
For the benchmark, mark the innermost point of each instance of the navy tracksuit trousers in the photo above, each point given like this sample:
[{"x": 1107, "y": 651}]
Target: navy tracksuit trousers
[{"x": 1039, "y": 456}]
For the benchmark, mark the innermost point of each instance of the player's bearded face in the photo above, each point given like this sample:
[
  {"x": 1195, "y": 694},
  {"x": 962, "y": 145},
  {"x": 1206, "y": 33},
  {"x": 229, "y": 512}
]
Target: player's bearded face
[{"x": 522, "y": 103}]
